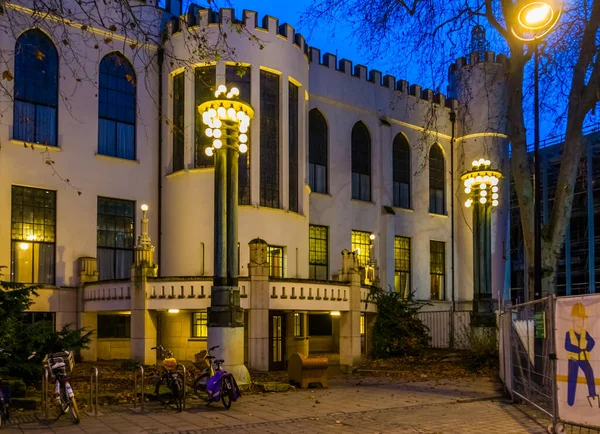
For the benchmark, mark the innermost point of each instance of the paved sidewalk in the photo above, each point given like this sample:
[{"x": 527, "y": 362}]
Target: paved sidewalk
[{"x": 368, "y": 406}]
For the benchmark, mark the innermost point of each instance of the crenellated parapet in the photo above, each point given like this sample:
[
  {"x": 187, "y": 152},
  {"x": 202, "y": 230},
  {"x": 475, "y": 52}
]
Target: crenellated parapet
[{"x": 473, "y": 59}]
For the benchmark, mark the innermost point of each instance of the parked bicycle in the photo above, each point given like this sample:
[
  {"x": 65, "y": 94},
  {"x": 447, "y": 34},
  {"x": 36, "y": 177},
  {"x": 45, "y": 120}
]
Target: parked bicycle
[
  {"x": 214, "y": 384},
  {"x": 4, "y": 394},
  {"x": 60, "y": 365},
  {"x": 170, "y": 387}
]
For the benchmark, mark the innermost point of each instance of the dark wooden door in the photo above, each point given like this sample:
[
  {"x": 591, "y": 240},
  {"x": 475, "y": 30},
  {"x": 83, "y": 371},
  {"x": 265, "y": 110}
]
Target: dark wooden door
[{"x": 277, "y": 341}]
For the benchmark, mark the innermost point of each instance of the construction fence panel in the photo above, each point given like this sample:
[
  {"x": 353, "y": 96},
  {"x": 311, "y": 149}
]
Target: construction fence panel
[{"x": 443, "y": 324}]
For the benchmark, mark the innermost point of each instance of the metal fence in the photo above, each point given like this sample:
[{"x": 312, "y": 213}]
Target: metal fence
[{"x": 447, "y": 329}]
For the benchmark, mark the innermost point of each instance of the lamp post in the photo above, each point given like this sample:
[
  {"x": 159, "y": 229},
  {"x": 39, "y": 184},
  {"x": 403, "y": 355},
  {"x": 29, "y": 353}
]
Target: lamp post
[
  {"x": 227, "y": 120},
  {"x": 481, "y": 184},
  {"x": 536, "y": 19}
]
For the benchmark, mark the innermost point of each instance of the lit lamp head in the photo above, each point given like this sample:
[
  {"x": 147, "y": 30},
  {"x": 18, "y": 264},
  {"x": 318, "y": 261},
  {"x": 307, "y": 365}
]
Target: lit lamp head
[
  {"x": 535, "y": 19},
  {"x": 372, "y": 237},
  {"x": 227, "y": 120},
  {"x": 481, "y": 184}
]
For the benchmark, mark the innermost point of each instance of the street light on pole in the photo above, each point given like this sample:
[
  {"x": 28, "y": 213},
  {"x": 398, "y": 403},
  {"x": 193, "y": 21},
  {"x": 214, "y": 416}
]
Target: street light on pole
[{"x": 536, "y": 19}]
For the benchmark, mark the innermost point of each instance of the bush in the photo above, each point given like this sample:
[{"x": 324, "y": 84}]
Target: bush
[
  {"x": 398, "y": 331},
  {"x": 482, "y": 347},
  {"x": 130, "y": 365}
]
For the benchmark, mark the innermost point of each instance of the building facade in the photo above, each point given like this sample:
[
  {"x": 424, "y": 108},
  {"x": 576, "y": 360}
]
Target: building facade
[{"x": 351, "y": 179}]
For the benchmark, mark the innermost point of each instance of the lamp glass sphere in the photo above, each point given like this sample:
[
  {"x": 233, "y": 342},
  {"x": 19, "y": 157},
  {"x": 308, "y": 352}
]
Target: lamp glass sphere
[
  {"x": 144, "y": 207},
  {"x": 209, "y": 151},
  {"x": 243, "y": 148}
]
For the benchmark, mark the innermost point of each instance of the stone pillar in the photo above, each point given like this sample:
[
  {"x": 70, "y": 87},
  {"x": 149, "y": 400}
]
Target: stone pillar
[
  {"x": 87, "y": 272},
  {"x": 143, "y": 323},
  {"x": 349, "y": 327},
  {"x": 295, "y": 344},
  {"x": 258, "y": 315}
]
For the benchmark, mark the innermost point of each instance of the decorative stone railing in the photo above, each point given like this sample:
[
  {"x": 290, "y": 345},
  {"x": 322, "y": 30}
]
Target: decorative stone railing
[{"x": 107, "y": 295}]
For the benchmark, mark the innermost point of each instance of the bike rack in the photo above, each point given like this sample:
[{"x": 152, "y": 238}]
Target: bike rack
[
  {"x": 93, "y": 391},
  {"x": 45, "y": 393},
  {"x": 184, "y": 379},
  {"x": 135, "y": 382}
]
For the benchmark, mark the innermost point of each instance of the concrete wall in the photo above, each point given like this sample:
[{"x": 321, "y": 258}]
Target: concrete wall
[
  {"x": 176, "y": 333},
  {"x": 113, "y": 348},
  {"x": 62, "y": 301}
]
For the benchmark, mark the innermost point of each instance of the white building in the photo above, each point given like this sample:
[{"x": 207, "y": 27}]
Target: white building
[{"x": 337, "y": 154}]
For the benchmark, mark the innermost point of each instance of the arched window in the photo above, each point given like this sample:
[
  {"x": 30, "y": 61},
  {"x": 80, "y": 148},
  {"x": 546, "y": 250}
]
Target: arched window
[
  {"x": 36, "y": 89},
  {"x": 361, "y": 162},
  {"x": 437, "y": 181},
  {"x": 116, "y": 113},
  {"x": 318, "y": 134},
  {"x": 401, "y": 171}
]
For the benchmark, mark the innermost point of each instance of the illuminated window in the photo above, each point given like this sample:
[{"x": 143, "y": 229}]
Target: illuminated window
[
  {"x": 35, "y": 89},
  {"x": 298, "y": 317},
  {"x": 269, "y": 139},
  {"x": 178, "y": 120},
  {"x": 437, "y": 254},
  {"x": 199, "y": 325},
  {"x": 275, "y": 257},
  {"x": 437, "y": 181},
  {"x": 116, "y": 107},
  {"x": 361, "y": 244},
  {"x": 402, "y": 266},
  {"x": 115, "y": 238},
  {"x": 318, "y": 248},
  {"x": 362, "y": 324},
  {"x": 401, "y": 169},
  {"x": 33, "y": 234},
  {"x": 204, "y": 90},
  {"x": 361, "y": 162},
  {"x": 317, "y": 151}
]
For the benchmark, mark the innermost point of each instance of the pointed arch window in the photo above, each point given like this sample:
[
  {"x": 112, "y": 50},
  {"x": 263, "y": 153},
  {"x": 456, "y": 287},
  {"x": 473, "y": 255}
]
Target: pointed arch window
[
  {"x": 35, "y": 118},
  {"x": 318, "y": 133},
  {"x": 117, "y": 105},
  {"x": 361, "y": 162},
  {"x": 437, "y": 181},
  {"x": 401, "y": 171}
]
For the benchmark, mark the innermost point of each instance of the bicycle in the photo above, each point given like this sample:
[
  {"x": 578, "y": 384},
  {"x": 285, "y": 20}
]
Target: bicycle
[
  {"x": 4, "y": 394},
  {"x": 172, "y": 380},
  {"x": 214, "y": 384},
  {"x": 59, "y": 365}
]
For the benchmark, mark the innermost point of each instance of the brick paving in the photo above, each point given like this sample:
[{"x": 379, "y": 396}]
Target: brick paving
[{"x": 366, "y": 406}]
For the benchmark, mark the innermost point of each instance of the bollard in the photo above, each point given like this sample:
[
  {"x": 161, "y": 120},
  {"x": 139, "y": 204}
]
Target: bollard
[
  {"x": 94, "y": 376},
  {"x": 45, "y": 393},
  {"x": 184, "y": 380},
  {"x": 135, "y": 377}
]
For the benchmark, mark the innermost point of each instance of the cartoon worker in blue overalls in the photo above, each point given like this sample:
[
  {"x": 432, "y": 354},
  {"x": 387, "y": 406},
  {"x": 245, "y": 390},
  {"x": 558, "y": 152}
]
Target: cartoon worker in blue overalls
[{"x": 578, "y": 344}]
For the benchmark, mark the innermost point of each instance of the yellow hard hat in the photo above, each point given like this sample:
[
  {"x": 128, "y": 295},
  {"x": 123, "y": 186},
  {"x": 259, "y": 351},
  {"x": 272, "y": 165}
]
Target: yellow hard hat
[{"x": 578, "y": 311}]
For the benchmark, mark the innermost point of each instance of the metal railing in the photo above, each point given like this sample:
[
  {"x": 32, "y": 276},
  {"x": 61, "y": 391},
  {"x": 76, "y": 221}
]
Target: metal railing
[
  {"x": 184, "y": 370},
  {"x": 45, "y": 393},
  {"x": 135, "y": 382},
  {"x": 93, "y": 390}
]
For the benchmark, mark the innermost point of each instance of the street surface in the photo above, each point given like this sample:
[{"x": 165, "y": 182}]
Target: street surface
[{"x": 352, "y": 406}]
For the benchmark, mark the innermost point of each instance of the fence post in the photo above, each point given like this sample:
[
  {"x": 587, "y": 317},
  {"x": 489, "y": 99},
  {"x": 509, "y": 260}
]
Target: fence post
[
  {"x": 184, "y": 381},
  {"x": 135, "y": 377},
  {"x": 45, "y": 392},
  {"x": 553, "y": 360},
  {"x": 94, "y": 389}
]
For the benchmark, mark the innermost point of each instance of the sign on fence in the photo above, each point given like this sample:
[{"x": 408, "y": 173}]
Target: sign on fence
[{"x": 578, "y": 359}]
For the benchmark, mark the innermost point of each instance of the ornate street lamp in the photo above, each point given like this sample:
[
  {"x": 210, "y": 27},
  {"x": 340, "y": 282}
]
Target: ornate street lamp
[
  {"x": 534, "y": 21},
  {"x": 481, "y": 184},
  {"x": 227, "y": 120}
]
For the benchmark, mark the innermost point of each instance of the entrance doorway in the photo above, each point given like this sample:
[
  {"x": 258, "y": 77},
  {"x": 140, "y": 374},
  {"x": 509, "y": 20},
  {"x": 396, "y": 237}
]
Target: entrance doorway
[{"x": 277, "y": 338}]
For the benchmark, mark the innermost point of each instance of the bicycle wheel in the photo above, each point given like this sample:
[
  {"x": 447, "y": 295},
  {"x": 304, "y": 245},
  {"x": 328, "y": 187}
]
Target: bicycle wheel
[
  {"x": 178, "y": 389},
  {"x": 74, "y": 410},
  {"x": 200, "y": 386},
  {"x": 163, "y": 392},
  {"x": 226, "y": 391}
]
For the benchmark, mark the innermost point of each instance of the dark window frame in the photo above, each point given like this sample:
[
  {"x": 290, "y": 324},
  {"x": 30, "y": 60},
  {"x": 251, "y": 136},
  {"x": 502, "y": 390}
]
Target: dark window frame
[
  {"x": 178, "y": 121},
  {"x": 401, "y": 172},
  {"x": 29, "y": 318},
  {"x": 40, "y": 204},
  {"x": 36, "y": 69},
  {"x": 117, "y": 327},
  {"x": 361, "y": 145},
  {"x": 199, "y": 319},
  {"x": 270, "y": 250},
  {"x": 437, "y": 267},
  {"x": 117, "y": 104},
  {"x": 402, "y": 262},
  {"x": 314, "y": 250},
  {"x": 321, "y": 327},
  {"x": 270, "y": 96},
  {"x": 293, "y": 145},
  {"x": 318, "y": 152},
  {"x": 437, "y": 180},
  {"x": 205, "y": 83},
  {"x": 129, "y": 236}
]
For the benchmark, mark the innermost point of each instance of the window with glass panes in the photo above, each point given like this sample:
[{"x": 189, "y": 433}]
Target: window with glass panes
[
  {"x": 318, "y": 250},
  {"x": 361, "y": 244},
  {"x": 115, "y": 238},
  {"x": 437, "y": 257},
  {"x": 114, "y": 326},
  {"x": 200, "y": 325},
  {"x": 437, "y": 182},
  {"x": 401, "y": 169},
  {"x": 116, "y": 112},
  {"x": 48, "y": 318},
  {"x": 269, "y": 139},
  {"x": 204, "y": 90},
  {"x": 298, "y": 317},
  {"x": 402, "y": 266},
  {"x": 239, "y": 76},
  {"x": 33, "y": 235},
  {"x": 178, "y": 122},
  {"x": 275, "y": 257},
  {"x": 317, "y": 151},
  {"x": 293, "y": 146},
  {"x": 361, "y": 162},
  {"x": 35, "y": 114}
]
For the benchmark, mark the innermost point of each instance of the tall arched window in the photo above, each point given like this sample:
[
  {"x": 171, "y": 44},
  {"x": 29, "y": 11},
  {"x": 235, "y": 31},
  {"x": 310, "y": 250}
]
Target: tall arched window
[
  {"x": 36, "y": 89},
  {"x": 116, "y": 113},
  {"x": 361, "y": 162},
  {"x": 437, "y": 181},
  {"x": 401, "y": 171},
  {"x": 317, "y": 151}
]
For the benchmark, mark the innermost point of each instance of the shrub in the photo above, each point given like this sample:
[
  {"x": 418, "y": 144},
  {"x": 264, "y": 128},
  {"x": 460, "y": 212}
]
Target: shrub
[
  {"x": 482, "y": 344},
  {"x": 130, "y": 365},
  {"x": 397, "y": 330}
]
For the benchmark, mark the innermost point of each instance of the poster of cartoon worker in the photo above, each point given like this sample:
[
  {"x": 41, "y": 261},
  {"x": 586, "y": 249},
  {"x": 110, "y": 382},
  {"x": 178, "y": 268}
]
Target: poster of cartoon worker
[{"x": 579, "y": 344}]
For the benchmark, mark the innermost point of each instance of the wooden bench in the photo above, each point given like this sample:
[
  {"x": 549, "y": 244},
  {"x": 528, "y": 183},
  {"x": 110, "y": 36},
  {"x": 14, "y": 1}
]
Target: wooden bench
[{"x": 302, "y": 371}]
